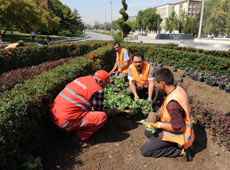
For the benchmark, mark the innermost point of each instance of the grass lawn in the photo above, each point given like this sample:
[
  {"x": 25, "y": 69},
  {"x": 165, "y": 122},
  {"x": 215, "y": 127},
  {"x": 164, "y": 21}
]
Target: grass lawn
[
  {"x": 27, "y": 37},
  {"x": 17, "y": 37}
]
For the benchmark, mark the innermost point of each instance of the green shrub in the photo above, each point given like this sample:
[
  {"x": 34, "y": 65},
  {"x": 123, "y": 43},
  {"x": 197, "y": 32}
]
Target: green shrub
[
  {"x": 118, "y": 37},
  {"x": 25, "y": 108},
  {"x": 33, "y": 55}
]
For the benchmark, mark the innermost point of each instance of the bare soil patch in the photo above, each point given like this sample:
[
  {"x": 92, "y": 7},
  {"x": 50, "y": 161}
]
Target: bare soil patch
[{"x": 116, "y": 146}]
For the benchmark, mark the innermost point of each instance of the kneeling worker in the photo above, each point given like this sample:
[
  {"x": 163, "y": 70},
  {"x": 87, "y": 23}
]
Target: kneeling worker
[
  {"x": 140, "y": 75},
  {"x": 175, "y": 133},
  {"x": 123, "y": 60},
  {"x": 72, "y": 111}
]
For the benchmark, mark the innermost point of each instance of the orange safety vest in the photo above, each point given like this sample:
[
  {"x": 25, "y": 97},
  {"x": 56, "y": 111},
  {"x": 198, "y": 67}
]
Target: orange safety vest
[
  {"x": 121, "y": 62},
  {"x": 141, "y": 81},
  {"x": 185, "y": 138},
  {"x": 74, "y": 100}
]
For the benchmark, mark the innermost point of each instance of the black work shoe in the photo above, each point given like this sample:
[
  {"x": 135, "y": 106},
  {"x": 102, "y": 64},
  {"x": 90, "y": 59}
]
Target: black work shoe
[{"x": 188, "y": 154}]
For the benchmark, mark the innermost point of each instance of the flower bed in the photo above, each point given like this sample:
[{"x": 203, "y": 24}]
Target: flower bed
[{"x": 24, "y": 109}]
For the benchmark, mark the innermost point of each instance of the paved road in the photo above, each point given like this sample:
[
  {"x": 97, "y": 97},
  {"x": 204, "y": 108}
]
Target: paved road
[
  {"x": 97, "y": 36},
  {"x": 144, "y": 39}
]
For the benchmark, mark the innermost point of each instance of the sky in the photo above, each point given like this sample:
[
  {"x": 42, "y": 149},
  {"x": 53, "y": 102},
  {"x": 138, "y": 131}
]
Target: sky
[{"x": 93, "y": 11}]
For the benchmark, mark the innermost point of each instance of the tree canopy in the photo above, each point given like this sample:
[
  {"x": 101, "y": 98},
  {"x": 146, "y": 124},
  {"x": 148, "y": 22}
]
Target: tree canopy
[
  {"x": 148, "y": 20},
  {"x": 125, "y": 28},
  {"x": 44, "y": 16},
  {"x": 216, "y": 17}
]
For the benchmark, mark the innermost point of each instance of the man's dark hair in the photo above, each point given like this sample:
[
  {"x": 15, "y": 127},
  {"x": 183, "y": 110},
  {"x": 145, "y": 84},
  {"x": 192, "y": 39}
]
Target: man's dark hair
[
  {"x": 138, "y": 54},
  {"x": 48, "y": 38},
  {"x": 116, "y": 43},
  {"x": 165, "y": 75}
]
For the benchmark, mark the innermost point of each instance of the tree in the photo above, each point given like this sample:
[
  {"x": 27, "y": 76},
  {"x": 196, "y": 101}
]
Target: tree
[
  {"x": 79, "y": 23},
  {"x": 171, "y": 22},
  {"x": 209, "y": 26},
  {"x": 148, "y": 20},
  {"x": 140, "y": 24},
  {"x": 48, "y": 20},
  {"x": 70, "y": 21},
  {"x": 226, "y": 9},
  {"x": 18, "y": 13},
  {"x": 125, "y": 28},
  {"x": 133, "y": 25},
  {"x": 217, "y": 21}
]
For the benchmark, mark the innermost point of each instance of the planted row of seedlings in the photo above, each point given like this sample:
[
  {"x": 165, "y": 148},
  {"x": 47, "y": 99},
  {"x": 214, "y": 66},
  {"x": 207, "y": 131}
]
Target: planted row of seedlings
[
  {"x": 116, "y": 97},
  {"x": 223, "y": 82}
]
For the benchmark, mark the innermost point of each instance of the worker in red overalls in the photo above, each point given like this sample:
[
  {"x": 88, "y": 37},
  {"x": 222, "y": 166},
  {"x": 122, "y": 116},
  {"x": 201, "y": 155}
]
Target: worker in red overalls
[{"x": 80, "y": 105}]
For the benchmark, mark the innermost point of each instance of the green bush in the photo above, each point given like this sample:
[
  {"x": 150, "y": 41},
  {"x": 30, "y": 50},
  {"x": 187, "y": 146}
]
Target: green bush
[
  {"x": 118, "y": 37},
  {"x": 25, "y": 108},
  {"x": 33, "y": 55}
]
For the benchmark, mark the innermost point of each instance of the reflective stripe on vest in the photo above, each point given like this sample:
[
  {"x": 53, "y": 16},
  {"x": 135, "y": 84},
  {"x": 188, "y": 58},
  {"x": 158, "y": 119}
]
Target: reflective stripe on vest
[
  {"x": 71, "y": 101},
  {"x": 142, "y": 85},
  {"x": 186, "y": 139},
  {"x": 79, "y": 97},
  {"x": 178, "y": 134},
  {"x": 74, "y": 102}
]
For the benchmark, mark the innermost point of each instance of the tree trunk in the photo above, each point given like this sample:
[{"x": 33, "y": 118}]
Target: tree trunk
[{"x": 4, "y": 32}]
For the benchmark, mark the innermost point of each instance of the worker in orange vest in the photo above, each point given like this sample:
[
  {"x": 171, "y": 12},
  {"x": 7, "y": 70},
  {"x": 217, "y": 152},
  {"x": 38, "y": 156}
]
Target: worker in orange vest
[
  {"x": 175, "y": 133},
  {"x": 80, "y": 105},
  {"x": 123, "y": 60},
  {"x": 140, "y": 76},
  {"x": 14, "y": 45}
]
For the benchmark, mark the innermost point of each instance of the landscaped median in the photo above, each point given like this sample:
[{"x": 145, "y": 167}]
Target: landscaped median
[{"x": 24, "y": 110}]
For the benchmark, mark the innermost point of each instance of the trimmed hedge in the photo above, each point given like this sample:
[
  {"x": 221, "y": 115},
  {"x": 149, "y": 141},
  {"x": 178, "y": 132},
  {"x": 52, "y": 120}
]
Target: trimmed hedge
[
  {"x": 225, "y": 54},
  {"x": 181, "y": 59},
  {"x": 33, "y": 55}
]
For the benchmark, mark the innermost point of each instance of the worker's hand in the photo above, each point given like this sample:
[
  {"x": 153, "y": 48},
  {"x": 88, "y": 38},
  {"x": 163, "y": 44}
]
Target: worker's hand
[
  {"x": 136, "y": 97},
  {"x": 111, "y": 73},
  {"x": 155, "y": 125},
  {"x": 119, "y": 70},
  {"x": 150, "y": 99}
]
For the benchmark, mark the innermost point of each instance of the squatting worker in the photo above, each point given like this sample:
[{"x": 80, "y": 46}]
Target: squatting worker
[
  {"x": 175, "y": 135},
  {"x": 72, "y": 111},
  {"x": 123, "y": 60},
  {"x": 14, "y": 45},
  {"x": 140, "y": 76}
]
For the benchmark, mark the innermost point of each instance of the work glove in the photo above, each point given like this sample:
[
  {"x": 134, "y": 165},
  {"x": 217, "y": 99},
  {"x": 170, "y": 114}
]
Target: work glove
[
  {"x": 155, "y": 125},
  {"x": 147, "y": 126}
]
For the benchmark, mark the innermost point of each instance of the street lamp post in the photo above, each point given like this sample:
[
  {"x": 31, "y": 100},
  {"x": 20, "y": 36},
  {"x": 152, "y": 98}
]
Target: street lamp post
[
  {"x": 201, "y": 19},
  {"x": 111, "y": 17},
  {"x": 105, "y": 21}
]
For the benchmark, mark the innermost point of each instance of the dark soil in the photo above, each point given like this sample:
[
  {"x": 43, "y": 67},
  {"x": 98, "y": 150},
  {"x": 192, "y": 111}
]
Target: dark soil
[{"x": 116, "y": 146}]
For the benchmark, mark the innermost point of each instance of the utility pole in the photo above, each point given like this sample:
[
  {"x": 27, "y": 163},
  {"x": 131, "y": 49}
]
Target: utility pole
[
  {"x": 201, "y": 19},
  {"x": 111, "y": 18},
  {"x": 105, "y": 20}
]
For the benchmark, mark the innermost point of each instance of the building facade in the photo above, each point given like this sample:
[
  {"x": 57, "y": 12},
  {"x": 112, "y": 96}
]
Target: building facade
[
  {"x": 164, "y": 11},
  {"x": 191, "y": 7}
]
